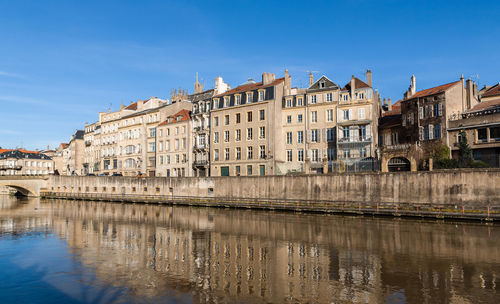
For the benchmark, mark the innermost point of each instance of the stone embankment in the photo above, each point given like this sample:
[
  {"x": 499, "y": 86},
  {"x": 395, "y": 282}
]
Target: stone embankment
[{"x": 468, "y": 194}]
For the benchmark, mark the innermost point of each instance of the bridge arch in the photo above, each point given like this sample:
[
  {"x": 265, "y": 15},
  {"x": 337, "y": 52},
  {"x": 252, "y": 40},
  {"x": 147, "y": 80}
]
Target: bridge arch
[
  {"x": 24, "y": 191},
  {"x": 24, "y": 185}
]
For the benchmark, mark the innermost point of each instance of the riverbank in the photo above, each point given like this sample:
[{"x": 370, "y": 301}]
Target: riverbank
[{"x": 458, "y": 194}]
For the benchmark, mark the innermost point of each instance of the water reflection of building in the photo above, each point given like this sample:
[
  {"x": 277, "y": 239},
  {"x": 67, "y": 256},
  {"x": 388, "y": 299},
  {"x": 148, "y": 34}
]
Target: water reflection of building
[{"x": 234, "y": 255}]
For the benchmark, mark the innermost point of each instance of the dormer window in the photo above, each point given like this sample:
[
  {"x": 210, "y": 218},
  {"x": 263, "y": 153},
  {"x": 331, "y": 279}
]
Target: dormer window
[
  {"x": 249, "y": 97},
  {"x": 299, "y": 101},
  {"x": 288, "y": 103},
  {"x": 216, "y": 103},
  {"x": 322, "y": 85},
  {"x": 179, "y": 118},
  {"x": 346, "y": 97},
  {"x": 261, "y": 95},
  {"x": 238, "y": 99},
  {"x": 226, "y": 101},
  {"x": 361, "y": 95}
]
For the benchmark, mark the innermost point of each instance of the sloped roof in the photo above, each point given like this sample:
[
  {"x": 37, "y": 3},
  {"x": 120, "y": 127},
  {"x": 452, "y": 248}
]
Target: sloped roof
[
  {"x": 184, "y": 116},
  {"x": 328, "y": 84},
  {"x": 132, "y": 106},
  {"x": 486, "y": 105},
  {"x": 396, "y": 109},
  {"x": 390, "y": 121},
  {"x": 434, "y": 90},
  {"x": 251, "y": 87},
  {"x": 357, "y": 83},
  {"x": 20, "y": 154},
  {"x": 493, "y": 91}
]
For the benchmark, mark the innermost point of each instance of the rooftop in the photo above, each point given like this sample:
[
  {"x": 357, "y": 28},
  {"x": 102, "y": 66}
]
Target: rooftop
[
  {"x": 183, "y": 114},
  {"x": 357, "y": 84},
  {"x": 433, "y": 91},
  {"x": 251, "y": 87},
  {"x": 493, "y": 91}
]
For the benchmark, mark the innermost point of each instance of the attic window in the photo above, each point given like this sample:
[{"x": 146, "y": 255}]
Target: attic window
[
  {"x": 179, "y": 118},
  {"x": 322, "y": 85}
]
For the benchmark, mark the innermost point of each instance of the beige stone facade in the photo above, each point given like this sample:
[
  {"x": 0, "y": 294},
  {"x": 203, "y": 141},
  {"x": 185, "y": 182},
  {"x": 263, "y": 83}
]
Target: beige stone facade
[
  {"x": 245, "y": 128},
  {"x": 174, "y": 145},
  {"x": 22, "y": 162}
]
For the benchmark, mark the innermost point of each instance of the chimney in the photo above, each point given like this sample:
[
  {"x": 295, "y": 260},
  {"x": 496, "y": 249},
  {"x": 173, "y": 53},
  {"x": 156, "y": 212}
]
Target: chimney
[
  {"x": 413, "y": 85},
  {"x": 311, "y": 79},
  {"x": 267, "y": 78},
  {"x": 369, "y": 78},
  {"x": 353, "y": 87},
  {"x": 385, "y": 102},
  {"x": 389, "y": 106},
  {"x": 139, "y": 104},
  {"x": 220, "y": 86},
  {"x": 288, "y": 83},
  {"x": 470, "y": 93}
]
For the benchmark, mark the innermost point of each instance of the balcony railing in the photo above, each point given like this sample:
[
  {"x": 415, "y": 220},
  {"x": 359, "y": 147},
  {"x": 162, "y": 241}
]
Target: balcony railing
[
  {"x": 200, "y": 146},
  {"x": 11, "y": 167},
  {"x": 200, "y": 162},
  {"x": 354, "y": 139},
  {"x": 399, "y": 147}
]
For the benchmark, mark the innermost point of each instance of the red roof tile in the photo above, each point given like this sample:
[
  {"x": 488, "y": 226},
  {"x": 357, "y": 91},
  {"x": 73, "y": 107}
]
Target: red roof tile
[
  {"x": 493, "y": 91},
  {"x": 132, "y": 106},
  {"x": 486, "y": 105},
  {"x": 184, "y": 116},
  {"x": 434, "y": 90},
  {"x": 250, "y": 87},
  {"x": 396, "y": 109}
]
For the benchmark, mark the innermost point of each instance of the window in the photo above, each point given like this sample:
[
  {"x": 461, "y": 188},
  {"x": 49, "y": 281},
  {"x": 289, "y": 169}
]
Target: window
[
  {"x": 289, "y": 138},
  {"x": 161, "y": 160},
  {"x": 262, "y": 115},
  {"x": 314, "y": 135},
  {"x": 176, "y": 144},
  {"x": 262, "y": 151},
  {"x": 300, "y": 155},
  {"x": 249, "y": 170},
  {"x": 330, "y": 134},
  {"x": 313, "y": 98},
  {"x": 226, "y": 154},
  {"x": 238, "y": 99},
  {"x": 436, "y": 109},
  {"x": 289, "y": 154},
  {"x": 238, "y": 170},
  {"x": 494, "y": 133},
  {"x": 437, "y": 131},
  {"x": 216, "y": 137},
  {"x": 289, "y": 119},
  {"x": 300, "y": 137},
  {"x": 361, "y": 95},
  {"x": 345, "y": 114},
  {"x": 362, "y": 132},
  {"x": 184, "y": 143},
  {"x": 482, "y": 135},
  {"x": 322, "y": 85},
  {"x": 314, "y": 116},
  {"x": 238, "y": 135},
  {"x": 262, "y": 132},
  {"x": 226, "y": 101},
  {"x": 249, "y": 116},
  {"x": 177, "y": 159},
  {"x": 238, "y": 153},
  {"x": 299, "y": 118},
  {"x": 249, "y": 134},
  {"x": 238, "y": 118},
  {"x": 226, "y": 120},
  {"x": 288, "y": 103},
  {"x": 314, "y": 155},
  {"x": 152, "y": 147},
  {"x": 361, "y": 113},
  {"x": 261, "y": 95},
  {"x": 329, "y": 115},
  {"x": 216, "y": 154},
  {"x": 161, "y": 133},
  {"x": 167, "y": 145},
  {"x": 346, "y": 97},
  {"x": 216, "y": 121},
  {"x": 249, "y": 152},
  {"x": 299, "y": 102},
  {"x": 426, "y": 133},
  {"x": 152, "y": 132},
  {"x": 160, "y": 146},
  {"x": 345, "y": 133},
  {"x": 226, "y": 136},
  {"x": 249, "y": 97},
  {"x": 329, "y": 97},
  {"x": 347, "y": 153},
  {"x": 362, "y": 152},
  {"x": 331, "y": 154}
]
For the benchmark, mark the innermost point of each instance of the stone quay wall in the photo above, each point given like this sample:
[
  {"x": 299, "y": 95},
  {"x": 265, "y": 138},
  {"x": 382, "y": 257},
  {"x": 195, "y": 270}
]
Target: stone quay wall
[{"x": 478, "y": 187}]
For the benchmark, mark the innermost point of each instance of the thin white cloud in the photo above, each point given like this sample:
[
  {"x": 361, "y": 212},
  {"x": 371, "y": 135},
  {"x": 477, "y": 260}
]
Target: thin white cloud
[{"x": 8, "y": 74}]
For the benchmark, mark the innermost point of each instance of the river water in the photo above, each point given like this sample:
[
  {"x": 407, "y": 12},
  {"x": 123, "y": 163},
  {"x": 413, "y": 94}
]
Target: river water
[{"x": 60, "y": 251}]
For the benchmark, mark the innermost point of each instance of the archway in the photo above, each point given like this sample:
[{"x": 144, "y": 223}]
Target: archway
[
  {"x": 398, "y": 164},
  {"x": 21, "y": 191}
]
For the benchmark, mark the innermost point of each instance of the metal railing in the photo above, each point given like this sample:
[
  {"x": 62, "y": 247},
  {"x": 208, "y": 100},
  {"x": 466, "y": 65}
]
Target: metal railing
[{"x": 406, "y": 209}]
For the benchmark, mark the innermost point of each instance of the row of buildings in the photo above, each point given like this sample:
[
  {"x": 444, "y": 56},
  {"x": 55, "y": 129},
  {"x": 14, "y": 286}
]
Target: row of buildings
[{"x": 272, "y": 128}]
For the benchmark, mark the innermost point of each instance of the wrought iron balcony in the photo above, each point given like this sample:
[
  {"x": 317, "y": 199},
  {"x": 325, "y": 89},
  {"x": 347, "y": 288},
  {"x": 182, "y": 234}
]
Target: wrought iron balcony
[{"x": 200, "y": 162}]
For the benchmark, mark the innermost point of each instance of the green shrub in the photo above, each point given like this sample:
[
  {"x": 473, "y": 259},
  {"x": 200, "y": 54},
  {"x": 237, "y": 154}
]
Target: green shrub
[
  {"x": 478, "y": 164},
  {"x": 446, "y": 163}
]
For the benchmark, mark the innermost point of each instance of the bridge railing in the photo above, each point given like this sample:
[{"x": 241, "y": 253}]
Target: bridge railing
[{"x": 445, "y": 210}]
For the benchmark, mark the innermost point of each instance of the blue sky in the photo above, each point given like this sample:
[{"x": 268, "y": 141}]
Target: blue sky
[{"x": 61, "y": 62}]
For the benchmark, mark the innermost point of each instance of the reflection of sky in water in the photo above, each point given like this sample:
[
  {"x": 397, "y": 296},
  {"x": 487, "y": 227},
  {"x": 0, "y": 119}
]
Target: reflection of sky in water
[{"x": 39, "y": 268}]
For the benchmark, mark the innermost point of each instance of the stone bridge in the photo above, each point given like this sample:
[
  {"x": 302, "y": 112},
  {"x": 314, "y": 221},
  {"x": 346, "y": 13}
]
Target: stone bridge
[{"x": 26, "y": 185}]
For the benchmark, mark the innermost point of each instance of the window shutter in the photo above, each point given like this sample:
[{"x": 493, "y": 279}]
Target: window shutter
[
  {"x": 420, "y": 112},
  {"x": 340, "y": 116},
  {"x": 350, "y": 114},
  {"x": 368, "y": 131},
  {"x": 440, "y": 109},
  {"x": 431, "y": 131},
  {"x": 420, "y": 133},
  {"x": 341, "y": 132}
]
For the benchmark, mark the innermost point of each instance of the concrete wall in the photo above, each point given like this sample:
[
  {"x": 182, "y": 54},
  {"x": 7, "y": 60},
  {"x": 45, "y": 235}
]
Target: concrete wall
[{"x": 465, "y": 186}]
